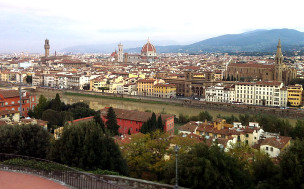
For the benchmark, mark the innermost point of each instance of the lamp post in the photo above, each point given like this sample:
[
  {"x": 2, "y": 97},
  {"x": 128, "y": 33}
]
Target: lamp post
[{"x": 176, "y": 170}]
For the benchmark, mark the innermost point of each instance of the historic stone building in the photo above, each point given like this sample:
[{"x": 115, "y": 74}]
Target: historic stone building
[
  {"x": 259, "y": 72},
  {"x": 148, "y": 54},
  {"x": 190, "y": 86}
]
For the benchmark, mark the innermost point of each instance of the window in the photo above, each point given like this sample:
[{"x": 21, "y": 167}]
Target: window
[
  {"x": 13, "y": 102},
  {"x": 267, "y": 148},
  {"x": 271, "y": 149}
]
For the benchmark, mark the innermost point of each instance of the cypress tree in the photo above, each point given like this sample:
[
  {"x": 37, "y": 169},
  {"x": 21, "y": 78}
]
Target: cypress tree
[
  {"x": 112, "y": 122},
  {"x": 160, "y": 125}
]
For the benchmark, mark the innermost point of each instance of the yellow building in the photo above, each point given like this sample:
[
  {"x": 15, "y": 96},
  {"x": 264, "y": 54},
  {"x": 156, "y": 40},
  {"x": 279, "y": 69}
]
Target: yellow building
[
  {"x": 295, "y": 94},
  {"x": 143, "y": 76},
  {"x": 164, "y": 90},
  {"x": 98, "y": 83},
  {"x": 145, "y": 87}
]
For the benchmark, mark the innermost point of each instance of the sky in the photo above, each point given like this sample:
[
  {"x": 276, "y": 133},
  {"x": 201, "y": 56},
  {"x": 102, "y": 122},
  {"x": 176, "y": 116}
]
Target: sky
[{"x": 26, "y": 23}]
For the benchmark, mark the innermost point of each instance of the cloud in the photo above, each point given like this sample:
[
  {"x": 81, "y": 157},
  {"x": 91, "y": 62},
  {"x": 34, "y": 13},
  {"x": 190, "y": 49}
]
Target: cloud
[{"x": 81, "y": 22}]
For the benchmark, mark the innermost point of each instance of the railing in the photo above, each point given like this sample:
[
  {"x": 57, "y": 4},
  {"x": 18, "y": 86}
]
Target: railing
[{"x": 64, "y": 174}]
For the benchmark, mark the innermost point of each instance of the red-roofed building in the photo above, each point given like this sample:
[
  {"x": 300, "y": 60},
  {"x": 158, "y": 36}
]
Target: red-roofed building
[{"x": 133, "y": 120}]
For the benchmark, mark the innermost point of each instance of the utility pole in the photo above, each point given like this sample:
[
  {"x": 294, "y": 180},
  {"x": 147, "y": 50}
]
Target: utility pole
[
  {"x": 20, "y": 95},
  {"x": 176, "y": 169}
]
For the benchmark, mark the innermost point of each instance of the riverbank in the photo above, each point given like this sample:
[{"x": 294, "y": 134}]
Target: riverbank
[{"x": 172, "y": 106}]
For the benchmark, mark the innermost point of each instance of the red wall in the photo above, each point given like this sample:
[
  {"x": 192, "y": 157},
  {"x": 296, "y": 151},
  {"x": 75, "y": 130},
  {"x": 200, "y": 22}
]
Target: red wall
[
  {"x": 28, "y": 102},
  {"x": 135, "y": 126}
]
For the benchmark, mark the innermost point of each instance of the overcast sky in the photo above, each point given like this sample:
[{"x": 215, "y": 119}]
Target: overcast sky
[{"x": 26, "y": 23}]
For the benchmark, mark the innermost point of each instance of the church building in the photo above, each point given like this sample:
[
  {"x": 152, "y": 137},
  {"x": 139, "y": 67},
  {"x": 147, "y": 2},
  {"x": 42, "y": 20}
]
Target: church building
[
  {"x": 261, "y": 72},
  {"x": 148, "y": 54}
]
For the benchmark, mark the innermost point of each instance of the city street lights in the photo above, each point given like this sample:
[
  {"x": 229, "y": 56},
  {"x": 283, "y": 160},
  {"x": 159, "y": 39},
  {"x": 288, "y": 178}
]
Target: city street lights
[{"x": 176, "y": 170}]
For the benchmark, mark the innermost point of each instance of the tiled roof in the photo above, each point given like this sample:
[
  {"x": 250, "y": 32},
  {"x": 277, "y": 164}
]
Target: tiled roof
[
  {"x": 9, "y": 93},
  {"x": 277, "y": 142},
  {"x": 6, "y": 112},
  {"x": 251, "y": 65}
]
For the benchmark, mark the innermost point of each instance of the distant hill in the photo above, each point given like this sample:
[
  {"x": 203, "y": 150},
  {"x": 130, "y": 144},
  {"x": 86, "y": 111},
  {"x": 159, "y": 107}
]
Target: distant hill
[
  {"x": 108, "y": 48},
  {"x": 252, "y": 41}
]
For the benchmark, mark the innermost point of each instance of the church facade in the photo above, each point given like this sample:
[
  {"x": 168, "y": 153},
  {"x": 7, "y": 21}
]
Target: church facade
[
  {"x": 259, "y": 72},
  {"x": 148, "y": 54}
]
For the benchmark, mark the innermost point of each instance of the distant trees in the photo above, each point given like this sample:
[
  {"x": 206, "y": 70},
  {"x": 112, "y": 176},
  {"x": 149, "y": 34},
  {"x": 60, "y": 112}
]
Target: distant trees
[
  {"x": 27, "y": 140},
  {"x": 58, "y": 113},
  {"x": 86, "y": 146}
]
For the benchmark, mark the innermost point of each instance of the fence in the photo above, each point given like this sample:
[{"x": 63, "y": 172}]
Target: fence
[{"x": 64, "y": 174}]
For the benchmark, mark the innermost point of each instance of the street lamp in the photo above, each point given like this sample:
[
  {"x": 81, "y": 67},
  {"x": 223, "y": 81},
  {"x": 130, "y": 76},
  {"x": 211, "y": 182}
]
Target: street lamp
[{"x": 176, "y": 156}]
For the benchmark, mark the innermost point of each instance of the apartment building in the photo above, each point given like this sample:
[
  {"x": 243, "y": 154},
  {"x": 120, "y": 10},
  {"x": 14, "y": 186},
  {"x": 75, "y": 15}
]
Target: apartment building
[{"x": 295, "y": 94}]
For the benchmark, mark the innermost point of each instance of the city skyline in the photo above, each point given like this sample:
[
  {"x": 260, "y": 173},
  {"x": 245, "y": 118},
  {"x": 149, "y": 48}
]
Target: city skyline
[{"x": 69, "y": 23}]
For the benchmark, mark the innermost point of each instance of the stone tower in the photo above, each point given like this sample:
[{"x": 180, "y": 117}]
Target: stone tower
[
  {"x": 47, "y": 48},
  {"x": 278, "y": 63},
  {"x": 120, "y": 53}
]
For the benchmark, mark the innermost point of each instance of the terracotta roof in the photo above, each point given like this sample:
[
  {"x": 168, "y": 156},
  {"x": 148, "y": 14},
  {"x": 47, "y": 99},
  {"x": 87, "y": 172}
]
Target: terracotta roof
[
  {"x": 148, "y": 47},
  {"x": 189, "y": 127},
  {"x": 277, "y": 142},
  {"x": 251, "y": 65},
  {"x": 133, "y": 115},
  {"x": 9, "y": 93},
  {"x": 5, "y": 112}
]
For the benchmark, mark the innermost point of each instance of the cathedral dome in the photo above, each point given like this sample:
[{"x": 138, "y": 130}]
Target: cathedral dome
[{"x": 148, "y": 48}]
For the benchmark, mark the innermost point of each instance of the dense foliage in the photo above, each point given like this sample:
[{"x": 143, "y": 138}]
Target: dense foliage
[
  {"x": 86, "y": 146},
  {"x": 152, "y": 124},
  {"x": 57, "y": 113},
  {"x": 27, "y": 140}
]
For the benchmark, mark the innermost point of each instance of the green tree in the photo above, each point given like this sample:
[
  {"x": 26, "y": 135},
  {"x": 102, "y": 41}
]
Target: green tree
[
  {"x": 41, "y": 106},
  {"x": 145, "y": 155},
  {"x": 298, "y": 131},
  {"x": 29, "y": 79},
  {"x": 86, "y": 146},
  {"x": 98, "y": 120},
  {"x": 56, "y": 103},
  {"x": 292, "y": 166},
  {"x": 209, "y": 167},
  {"x": 111, "y": 123},
  {"x": 28, "y": 140},
  {"x": 160, "y": 124},
  {"x": 202, "y": 116},
  {"x": 150, "y": 125}
]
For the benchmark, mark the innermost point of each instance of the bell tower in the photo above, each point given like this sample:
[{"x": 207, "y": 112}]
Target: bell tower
[
  {"x": 278, "y": 63},
  {"x": 47, "y": 48},
  {"x": 120, "y": 52}
]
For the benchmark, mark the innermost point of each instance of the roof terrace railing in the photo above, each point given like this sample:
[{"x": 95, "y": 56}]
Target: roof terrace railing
[{"x": 56, "y": 171}]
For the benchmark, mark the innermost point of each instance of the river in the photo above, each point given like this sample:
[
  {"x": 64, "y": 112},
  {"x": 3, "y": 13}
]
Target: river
[{"x": 99, "y": 103}]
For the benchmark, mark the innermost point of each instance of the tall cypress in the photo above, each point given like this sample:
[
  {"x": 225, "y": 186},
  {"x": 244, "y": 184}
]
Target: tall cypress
[{"x": 112, "y": 122}]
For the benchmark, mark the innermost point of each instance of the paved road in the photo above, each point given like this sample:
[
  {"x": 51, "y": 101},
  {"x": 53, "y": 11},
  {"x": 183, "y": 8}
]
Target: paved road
[{"x": 13, "y": 180}]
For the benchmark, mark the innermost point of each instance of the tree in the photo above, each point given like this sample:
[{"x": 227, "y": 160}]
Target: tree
[
  {"x": 160, "y": 125},
  {"x": 292, "y": 166},
  {"x": 41, "y": 106},
  {"x": 56, "y": 103},
  {"x": 86, "y": 146},
  {"x": 28, "y": 79},
  {"x": 98, "y": 120},
  {"x": 150, "y": 125},
  {"x": 298, "y": 131},
  {"x": 111, "y": 123},
  {"x": 145, "y": 155},
  {"x": 209, "y": 167},
  {"x": 27, "y": 140},
  {"x": 86, "y": 87},
  {"x": 202, "y": 116}
]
